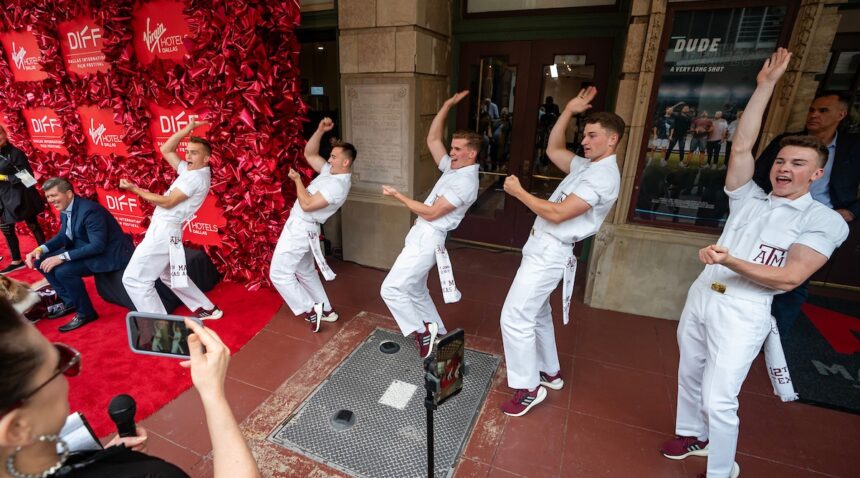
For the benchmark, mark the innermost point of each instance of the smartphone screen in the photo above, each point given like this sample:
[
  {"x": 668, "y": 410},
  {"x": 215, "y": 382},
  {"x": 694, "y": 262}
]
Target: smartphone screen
[
  {"x": 450, "y": 356},
  {"x": 158, "y": 334}
]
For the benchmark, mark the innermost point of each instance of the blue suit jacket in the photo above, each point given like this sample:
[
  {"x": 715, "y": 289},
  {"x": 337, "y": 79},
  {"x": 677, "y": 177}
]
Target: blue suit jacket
[{"x": 97, "y": 238}]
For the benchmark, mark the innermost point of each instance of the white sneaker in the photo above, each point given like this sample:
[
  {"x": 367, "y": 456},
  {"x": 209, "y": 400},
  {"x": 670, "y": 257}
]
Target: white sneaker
[{"x": 330, "y": 316}]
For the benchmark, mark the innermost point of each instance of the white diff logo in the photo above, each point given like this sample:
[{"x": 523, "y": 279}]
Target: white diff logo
[
  {"x": 42, "y": 125},
  {"x": 18, "y": 56},
  {"x": 97, "y": 134},
  {"x": 121, "y": 203},
  {"x": 79, "y": 39},
  {"x": 172, "y": 124}
]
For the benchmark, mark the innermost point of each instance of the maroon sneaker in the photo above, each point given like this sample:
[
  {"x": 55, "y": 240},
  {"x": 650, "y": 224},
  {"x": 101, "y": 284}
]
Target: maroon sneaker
[
  {"x": 523, "y": 401},
  {"x": 212, "y": 314},
  {"x": 682, "y": 447},
  {"x": 426, "y": 339},
  {"x": 554, "y": 382}
]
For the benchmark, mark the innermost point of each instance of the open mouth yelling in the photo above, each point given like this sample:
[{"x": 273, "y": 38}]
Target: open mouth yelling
[{"x": 783, "y": 180}]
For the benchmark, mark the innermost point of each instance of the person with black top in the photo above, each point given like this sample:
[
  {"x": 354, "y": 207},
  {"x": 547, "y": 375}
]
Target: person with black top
[
  {"x": 34, "y": 405},
  {"x": 681, "y": 123},
  {"x": 18, "y": 201}
]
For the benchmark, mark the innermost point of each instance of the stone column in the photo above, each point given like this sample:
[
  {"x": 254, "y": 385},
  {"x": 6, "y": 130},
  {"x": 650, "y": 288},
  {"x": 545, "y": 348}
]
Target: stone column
[{"x": 394, "y": 64}]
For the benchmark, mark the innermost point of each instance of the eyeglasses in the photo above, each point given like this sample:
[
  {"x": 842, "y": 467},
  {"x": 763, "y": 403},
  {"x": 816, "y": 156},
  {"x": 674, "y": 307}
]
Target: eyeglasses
[{"x": 68, "y": 365}]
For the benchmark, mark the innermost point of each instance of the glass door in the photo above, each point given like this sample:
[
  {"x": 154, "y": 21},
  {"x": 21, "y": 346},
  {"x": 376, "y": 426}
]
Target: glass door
[{"x": 517, "y": 92}]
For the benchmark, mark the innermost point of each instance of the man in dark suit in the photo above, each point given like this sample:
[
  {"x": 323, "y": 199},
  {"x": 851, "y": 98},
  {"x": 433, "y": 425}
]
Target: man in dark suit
[
  {"x": 89, "y": 241},
  {"x": 837, "y": 188}
]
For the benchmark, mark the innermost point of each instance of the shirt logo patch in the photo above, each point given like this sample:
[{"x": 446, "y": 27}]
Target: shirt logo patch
[{"x": 770, "y": 255}]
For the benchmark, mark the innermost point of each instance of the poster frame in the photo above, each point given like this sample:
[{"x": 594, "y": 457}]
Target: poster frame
[{"x": 672, "y": 9}]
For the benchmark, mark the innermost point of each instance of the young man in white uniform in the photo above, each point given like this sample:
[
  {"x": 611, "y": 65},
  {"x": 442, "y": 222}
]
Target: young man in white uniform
[
  {"x": 574, "y": 212},
  {"x": 292, "y": 270},
  {"x": 405, "y": 288},
  {"x": 770, "y": 244},
  {"x": 160, "y": 254}
]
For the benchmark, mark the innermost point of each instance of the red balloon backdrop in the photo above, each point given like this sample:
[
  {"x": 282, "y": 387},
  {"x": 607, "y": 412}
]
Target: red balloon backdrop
[{"x": 240, "y": 73}]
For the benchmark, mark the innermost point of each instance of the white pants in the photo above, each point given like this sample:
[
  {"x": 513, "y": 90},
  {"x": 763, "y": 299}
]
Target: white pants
[
  {"x": 151, "y": 261},
  {"x": 293, "y": 271},
  {"x": 404, "y": 289},
  {"x": 527, "y": 330},
  {"x": 719, "y": 336}
]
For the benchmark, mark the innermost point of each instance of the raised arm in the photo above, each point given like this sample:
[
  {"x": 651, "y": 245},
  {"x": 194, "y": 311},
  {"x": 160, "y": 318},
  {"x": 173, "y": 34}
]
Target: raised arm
[
  {"x": 742, "y": 165},
  {"x": 312, "y": 147},
  {"x": 168, "y": 149},
  {"x": 556, "y": 148},
  {"x": 434, "y": 137}
]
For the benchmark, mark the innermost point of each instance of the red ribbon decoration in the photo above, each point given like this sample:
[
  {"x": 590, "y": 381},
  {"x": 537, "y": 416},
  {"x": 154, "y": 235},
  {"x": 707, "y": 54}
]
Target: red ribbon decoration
[{"x": 241, "y": 73}]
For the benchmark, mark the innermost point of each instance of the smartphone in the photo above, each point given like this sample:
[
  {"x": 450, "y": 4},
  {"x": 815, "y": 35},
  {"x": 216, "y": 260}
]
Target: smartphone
[
  {"x": 159, "y": 334},
  {"x": 449, "y": 363}
]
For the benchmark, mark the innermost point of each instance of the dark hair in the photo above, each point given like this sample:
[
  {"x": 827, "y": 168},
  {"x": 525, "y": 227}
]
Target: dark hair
[
  {"x": 18, "y": 361},
  {"x": 841, "y": 96},
  {"x": 207, "y": 148},
  {"x": 347, "y": 148},
  {"x": 62, "y": 184},
  {"x": 609, "y": 121},
  {"x": 473, "y": 139},
  {"x": 807, "y": 141}
]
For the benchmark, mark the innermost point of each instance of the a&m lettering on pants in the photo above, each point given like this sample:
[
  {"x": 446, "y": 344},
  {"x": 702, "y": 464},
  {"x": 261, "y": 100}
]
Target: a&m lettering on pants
[{"x": 770, "y": 256}]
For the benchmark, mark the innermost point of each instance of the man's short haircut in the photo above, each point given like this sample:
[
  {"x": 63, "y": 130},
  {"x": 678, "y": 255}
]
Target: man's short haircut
[
  {"x": 473, "y": 139},
  {"x": 347, "y": 148},
  {"x": 807, "y": 141},
  {"x": 841, "y": 96},
  {"x": 207, "y": 148},
  {"x": 609, "y": 121},
  {"x": 62, "y": 184}
]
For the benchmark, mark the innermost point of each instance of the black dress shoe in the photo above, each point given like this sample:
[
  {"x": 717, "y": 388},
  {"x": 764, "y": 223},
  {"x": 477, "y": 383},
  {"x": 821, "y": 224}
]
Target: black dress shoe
[
  {"x": 78, "y": 321},
  {"x": 66, "y": 310}
]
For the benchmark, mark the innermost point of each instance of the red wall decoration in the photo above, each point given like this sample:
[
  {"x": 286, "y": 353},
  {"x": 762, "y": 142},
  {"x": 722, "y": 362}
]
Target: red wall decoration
[{"x": 111, "y": 76}]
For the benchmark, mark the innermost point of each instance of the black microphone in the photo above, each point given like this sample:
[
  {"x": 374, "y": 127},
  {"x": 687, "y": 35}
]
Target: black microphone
[{"x": 121, "y": 410}]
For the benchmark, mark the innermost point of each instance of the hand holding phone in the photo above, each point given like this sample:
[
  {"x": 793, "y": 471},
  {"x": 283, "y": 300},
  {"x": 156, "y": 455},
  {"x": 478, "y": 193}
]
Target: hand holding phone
[{"x": 208, "y": 362}]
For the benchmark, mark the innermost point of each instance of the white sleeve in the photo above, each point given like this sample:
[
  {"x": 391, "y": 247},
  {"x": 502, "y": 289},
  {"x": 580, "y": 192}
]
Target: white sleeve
[
  {"x": 824, "y": 232},
  {"x": 445, "y": 163},
  {"x": 598, "y": 185}
]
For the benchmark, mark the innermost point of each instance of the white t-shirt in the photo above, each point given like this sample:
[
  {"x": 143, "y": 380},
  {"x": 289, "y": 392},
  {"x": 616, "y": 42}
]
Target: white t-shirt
[
  {"x": 761, "y": 228},
  {"x": 333, "y": 187},
  {"x": 595, "y": 182},
  {"x": 459, "y": 187},
  {"x": 195, "y": 185}
]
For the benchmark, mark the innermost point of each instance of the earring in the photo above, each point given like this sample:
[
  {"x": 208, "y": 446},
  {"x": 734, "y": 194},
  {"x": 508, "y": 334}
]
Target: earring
[{"x": 64, "y": 455}]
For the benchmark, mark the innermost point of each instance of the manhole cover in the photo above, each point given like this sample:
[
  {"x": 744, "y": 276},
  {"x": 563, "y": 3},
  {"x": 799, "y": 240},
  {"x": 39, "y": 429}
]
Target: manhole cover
[{"x": 385, "y": 391}]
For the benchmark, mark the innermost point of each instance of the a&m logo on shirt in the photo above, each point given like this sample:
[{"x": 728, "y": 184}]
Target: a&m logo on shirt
[{"x": 770, "y": 255}]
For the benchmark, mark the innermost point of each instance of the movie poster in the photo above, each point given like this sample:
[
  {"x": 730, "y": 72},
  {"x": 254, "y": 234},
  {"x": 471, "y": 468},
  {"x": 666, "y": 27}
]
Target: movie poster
[{"x": 708, "y": 76}]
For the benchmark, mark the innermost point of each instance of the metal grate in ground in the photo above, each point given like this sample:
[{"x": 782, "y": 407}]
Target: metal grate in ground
[{"x": 385, "y": 393}]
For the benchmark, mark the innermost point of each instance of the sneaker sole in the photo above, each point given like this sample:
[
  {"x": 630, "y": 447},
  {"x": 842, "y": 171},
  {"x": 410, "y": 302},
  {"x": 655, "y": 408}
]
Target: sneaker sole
[
  {"x": 736, "y": 470},
  {"x": 700, "y": 452},
  {"x": 556, "y": 384},
  {"x": 434, "y": 331},
  {"x": 332, "y": 317},
  {"x": 541, "y": 396}
]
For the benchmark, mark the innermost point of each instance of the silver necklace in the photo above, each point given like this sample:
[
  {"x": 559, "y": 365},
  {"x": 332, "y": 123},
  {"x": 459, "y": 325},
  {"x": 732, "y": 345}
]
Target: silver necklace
[{"x": 64, "y": 454}]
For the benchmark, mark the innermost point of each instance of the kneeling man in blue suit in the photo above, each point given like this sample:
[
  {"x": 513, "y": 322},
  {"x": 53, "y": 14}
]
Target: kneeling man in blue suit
[{"x": 89, "y": 241}]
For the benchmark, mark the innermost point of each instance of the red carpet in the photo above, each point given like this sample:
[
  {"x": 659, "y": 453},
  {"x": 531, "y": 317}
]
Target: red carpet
[{"x": 109, "y": 366}]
